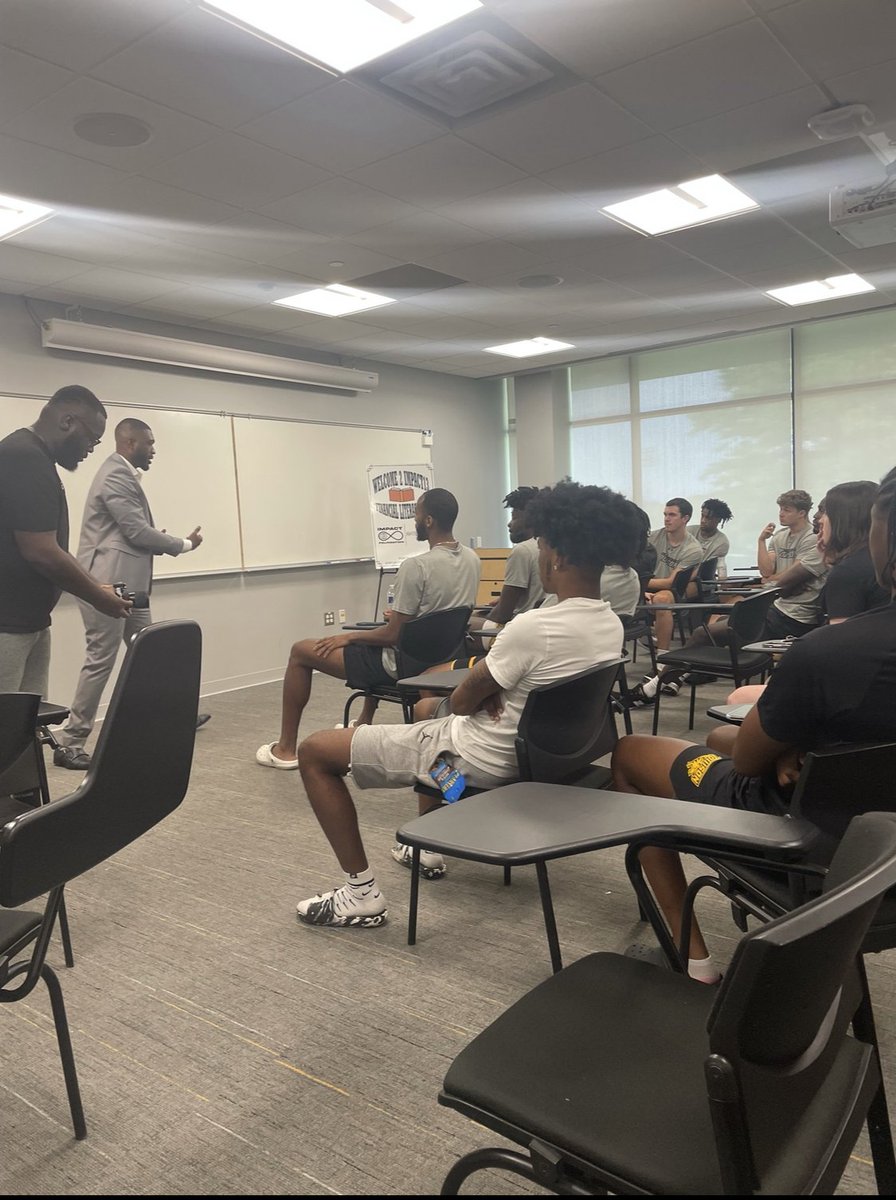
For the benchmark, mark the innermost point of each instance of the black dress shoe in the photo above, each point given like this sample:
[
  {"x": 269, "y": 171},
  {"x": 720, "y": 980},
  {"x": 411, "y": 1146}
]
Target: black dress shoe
[
  {"x": 202, "y": 719},
  {"x": 71, "y": 758}
]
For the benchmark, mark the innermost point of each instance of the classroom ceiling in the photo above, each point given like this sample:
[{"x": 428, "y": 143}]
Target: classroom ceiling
[{"x": 262, "y": 175}]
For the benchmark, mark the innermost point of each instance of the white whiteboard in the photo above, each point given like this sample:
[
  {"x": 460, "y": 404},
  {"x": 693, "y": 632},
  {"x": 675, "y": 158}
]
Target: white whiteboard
[
  {"x": 303, "y": 488},
  {"x": 191, "y": 481},
  {"x": 267, "y": 492}
]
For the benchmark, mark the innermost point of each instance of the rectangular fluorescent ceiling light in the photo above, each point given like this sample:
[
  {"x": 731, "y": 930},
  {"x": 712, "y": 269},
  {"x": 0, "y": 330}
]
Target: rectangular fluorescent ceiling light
[
  {"x": 16, "y": 215},
  {"x": 341, "y": 34},
  {"x": 337, "y": 300},
  {"x": 815, "y": 290},
  {"x": 693, "y": 203},
  {"x": 530, "y": 347}
]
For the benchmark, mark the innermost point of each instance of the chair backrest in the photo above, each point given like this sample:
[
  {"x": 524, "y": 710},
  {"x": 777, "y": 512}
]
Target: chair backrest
[
  {"x": 680, "y": 581},
  {"x": 138, "y": 774},
  {"x": 18, "y": 745},
  {"x": 837, "y": 783},
  {"x": 779, "y": 1027},
  {"x": 431, "y": 639},
  {"x": 566, "y": 725},
  {"x": 706, "y": 574},
  {"x": 747, "y": 618}
]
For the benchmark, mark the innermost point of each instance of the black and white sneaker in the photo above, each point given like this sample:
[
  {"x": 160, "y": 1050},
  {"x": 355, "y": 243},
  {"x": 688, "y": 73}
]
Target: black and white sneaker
[
  {"x": 432, "y": 865},
  {"x": 638, "y": 698},
  {"x": 671, "y": 688},
  {"x": 343, "y": 908}
]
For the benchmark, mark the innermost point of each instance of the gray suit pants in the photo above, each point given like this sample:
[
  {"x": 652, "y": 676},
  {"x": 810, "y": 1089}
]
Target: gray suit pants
[{"x": 103, "y": 636}]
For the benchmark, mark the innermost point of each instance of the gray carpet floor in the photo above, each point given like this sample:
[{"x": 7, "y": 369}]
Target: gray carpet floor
[{"x": 225, "y": 1049}]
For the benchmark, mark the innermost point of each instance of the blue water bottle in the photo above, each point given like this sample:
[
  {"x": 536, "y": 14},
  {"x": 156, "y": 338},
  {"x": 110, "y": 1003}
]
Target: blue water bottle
[{"x": 448, "y": 780}]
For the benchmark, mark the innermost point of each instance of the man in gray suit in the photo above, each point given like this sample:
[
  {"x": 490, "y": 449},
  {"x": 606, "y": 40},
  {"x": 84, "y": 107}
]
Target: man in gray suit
[{"x": 117, "y": 544}]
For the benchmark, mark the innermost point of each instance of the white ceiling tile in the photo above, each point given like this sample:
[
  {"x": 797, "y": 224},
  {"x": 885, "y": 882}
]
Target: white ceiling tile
[
  {"x": 438, "y": 172},
  {"x": 338, "y": 207},
  {"x": 832, "y": 38},
  {"x": 342, "y": 126},
  {"x": 528, "y": 208},
  {"x": 162, "y": 209},
  {"x": 597, "y": 37},
  {"x": 484, "y": 261},
  {"x": 555, "y": 129},
  {"x": 78, "y": 33},
  {"x": 420, "y": 232},
  {"x": 31, "y": 266},
  {"x": 311, "y": 260},
  {"x": 182, "y": 63},
  {"x": 627, "y": 171},
  {"x": 51, "y": 123},
  {"x": 330, "y": 330},
  {"x": 267, "y": 318},
  {"x": 725, "y": 70},
  {"x": 249, "y": 236},
  {"x": 237, "y": 171},
  {"x": 25, "y": 80},
  {"x": 874, "y": 86},
  {"x": 191, "y": 301},
  {"x": 53, "y": 178},
  {"x": 756, "y": 133},
  {"x": 110, "y": 284}
]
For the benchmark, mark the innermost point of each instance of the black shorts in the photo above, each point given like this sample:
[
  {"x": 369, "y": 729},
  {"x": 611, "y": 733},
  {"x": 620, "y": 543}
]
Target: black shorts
[
  {"x": 364, "y": 666},
  {"x": 701, "y": 775}
]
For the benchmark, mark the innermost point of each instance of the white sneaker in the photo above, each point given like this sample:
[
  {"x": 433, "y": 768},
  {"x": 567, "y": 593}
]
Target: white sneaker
[
  {"x": 344, "y": 908},
  {"x": 350, "y": 725},
  {"x": 432, "y": 865}
]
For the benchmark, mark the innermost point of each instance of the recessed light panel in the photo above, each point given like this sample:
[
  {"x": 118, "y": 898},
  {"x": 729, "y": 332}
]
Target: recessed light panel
[
  {"x": 342, "y": 33},
  {"x": 530, "y": 347},
  {"x": 816, "y": 290},
  {"x": 693, "y": 203},
  {"x": 16, "y": 215},
  {"x": 337, "y": 300}
]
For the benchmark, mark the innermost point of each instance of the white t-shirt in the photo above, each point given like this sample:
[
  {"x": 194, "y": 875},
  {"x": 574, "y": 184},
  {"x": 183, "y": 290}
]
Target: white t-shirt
[
  {"x": 541, "y": 646},
  {"x": 521, "y": 571}
]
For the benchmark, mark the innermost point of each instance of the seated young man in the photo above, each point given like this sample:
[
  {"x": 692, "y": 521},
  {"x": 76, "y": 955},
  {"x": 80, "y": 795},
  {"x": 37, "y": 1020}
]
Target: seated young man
[
  {"x": 522, "y": 588},
  {"x": 579, "y": 529},
  {"x": 835, "y": 685},
  {"x": 445, "y": 576}
]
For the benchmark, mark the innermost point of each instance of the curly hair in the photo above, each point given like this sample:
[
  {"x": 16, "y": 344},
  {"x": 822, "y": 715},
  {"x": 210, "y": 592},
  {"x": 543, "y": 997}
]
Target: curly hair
[
  {"x": 520, "y": 497},
  {"x": 795, "y": 498},
  {"x": 592, "y": 527},
  {"x": 718, "y": 509},
  {"x": 847, "y": 507}
]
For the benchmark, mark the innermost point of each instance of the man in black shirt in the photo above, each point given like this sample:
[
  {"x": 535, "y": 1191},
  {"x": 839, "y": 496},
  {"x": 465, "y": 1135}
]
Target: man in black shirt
[
  {"x": 836, "y": 684},
  {"x": 35, "y": 566}
]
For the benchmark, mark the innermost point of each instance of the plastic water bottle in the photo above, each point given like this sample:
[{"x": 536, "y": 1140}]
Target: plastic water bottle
[
  {"x": 448, "y": 780},
  {"x": 390, "y": 596}
]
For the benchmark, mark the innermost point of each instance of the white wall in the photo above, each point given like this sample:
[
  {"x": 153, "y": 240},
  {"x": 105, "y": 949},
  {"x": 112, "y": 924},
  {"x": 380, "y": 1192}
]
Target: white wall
[
  {"x": 249, "y": 621},
  {"x": 542, "y": 427}
]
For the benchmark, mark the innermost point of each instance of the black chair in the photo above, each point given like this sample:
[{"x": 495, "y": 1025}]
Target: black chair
[
  {"x": 564, "y": 728},
  {"x": 138, "y": 774},
  {"x": 746, "y": 620},
  {"x": 23, "y": 773},
  {"x": 424, "y": 642},
  {"x": 618, "y": 1076}
]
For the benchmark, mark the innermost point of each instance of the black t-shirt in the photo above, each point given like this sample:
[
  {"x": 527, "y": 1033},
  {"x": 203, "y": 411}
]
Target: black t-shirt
[
  {"x": 852, "y": 587},
  {"x": 32, "y": 500}
]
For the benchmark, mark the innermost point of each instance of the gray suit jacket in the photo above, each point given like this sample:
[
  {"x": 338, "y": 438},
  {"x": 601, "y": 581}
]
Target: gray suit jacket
[{"x": 118, "y": 540}]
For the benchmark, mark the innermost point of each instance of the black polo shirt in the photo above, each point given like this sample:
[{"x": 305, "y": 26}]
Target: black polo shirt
[{"x": 32, "y": 500}]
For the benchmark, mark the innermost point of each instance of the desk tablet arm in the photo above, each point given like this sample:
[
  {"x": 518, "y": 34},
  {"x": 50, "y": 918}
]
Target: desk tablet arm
[{"x": 366, "y": 625}]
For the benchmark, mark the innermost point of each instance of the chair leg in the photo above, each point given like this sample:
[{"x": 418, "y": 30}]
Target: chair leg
[
  {"x": 656, "y": 709},
  {"x": 693, "y": 704},
  {"x": 64, "y": 934},
  {"x": 482, "y": 1160},
  {"x": 63, "y": 1037},
  {"x": 547, "y": 908},
  {"x": 415, "y": 895},
  {"x": 507, "y": 874}
]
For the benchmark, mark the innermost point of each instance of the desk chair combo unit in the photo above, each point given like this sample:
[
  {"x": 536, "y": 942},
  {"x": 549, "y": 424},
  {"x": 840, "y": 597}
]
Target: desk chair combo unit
[
  {"x": 564, "y": 728},
  {"x": 746, "y": 621},
  {"x": 423, "y": 642},
  {"x": 615, "y": 1075},
  {"x": 128, "y": 788}
]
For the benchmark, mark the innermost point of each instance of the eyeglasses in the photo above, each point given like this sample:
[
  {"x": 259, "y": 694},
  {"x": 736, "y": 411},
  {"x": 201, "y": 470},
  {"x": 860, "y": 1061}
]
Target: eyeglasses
[{"x": 94, "y": 441}]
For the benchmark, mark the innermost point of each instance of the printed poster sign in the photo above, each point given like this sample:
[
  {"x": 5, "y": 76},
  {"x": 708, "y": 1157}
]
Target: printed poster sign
[{"x": 393, "y": 492}]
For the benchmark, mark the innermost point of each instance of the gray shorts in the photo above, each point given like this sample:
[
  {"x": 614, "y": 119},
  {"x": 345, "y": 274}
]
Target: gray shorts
[
  {"x": 25, "y": 662},
  {"x": 388, "y": 756}
]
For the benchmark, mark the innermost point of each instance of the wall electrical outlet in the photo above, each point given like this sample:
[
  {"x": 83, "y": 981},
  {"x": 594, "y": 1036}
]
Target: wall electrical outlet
[
  {"x": 342, "y": 616},
  {"x": 330, "y": 618}
]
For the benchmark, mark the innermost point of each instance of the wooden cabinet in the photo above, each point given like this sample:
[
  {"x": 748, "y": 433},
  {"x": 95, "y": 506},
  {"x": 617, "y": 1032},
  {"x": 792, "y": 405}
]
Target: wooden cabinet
[{"x": 491, "y": 575}]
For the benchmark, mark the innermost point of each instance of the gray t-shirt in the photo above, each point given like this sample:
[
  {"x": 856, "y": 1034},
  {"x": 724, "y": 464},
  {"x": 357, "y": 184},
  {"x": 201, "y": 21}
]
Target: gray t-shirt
[
  {"x": 445, "y": 576},
  {"x": 788, "y": 549},
  {"x": 715, "y": 546},
  {"x": 521, "y": 571},
  {"x": 621, "y": 588},
  {"x": 669, "y": 558}
]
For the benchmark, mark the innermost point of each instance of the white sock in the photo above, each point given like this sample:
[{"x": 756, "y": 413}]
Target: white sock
[
  {"x": 362, "y": 884},
  {"x": 703, "y": 969},
  {"x": 650, "y": 687}
]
